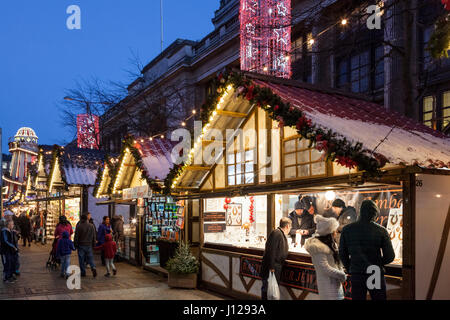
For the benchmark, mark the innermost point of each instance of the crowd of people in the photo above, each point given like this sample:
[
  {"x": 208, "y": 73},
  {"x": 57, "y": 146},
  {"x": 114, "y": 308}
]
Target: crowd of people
[
  {"x": 86, "y": 239},
  {"x": 341, "y": 244}
]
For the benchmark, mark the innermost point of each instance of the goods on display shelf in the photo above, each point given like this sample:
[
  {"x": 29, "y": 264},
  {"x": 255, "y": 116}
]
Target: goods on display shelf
[
  {"x": 160, "y": 221},
  {"x": 53, "y": 214},
  {"x": 72, "y": 211}
]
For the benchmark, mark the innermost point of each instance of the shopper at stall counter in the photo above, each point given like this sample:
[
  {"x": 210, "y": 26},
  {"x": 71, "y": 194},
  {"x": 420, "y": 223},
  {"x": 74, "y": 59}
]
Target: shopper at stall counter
[
  {"x": 345, "y": 215},
  {"x": 275, "y": 254},
  {"x": 365, "y": 243},
  {"x": 325, "y": 257},
  {"x": 303, "y": 219},
  {"x": 103, "y": 230},
  {"x": 84, "y": 242}
]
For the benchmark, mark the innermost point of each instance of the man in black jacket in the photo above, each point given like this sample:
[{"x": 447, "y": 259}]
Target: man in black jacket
[
  {"x": 366, "y": 244},
  {"x": 303, "y": 219},
  {"x": 344, "y": 215},
  {"x": 276, "y": 252},
  {"x": 84, "y": 242}
]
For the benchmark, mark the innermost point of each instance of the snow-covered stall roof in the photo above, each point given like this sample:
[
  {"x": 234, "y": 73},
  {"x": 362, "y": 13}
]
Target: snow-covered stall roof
[
  {"x": 407, "y": 142},
  {"x": 156, "y": 156},
  {"x": 80, "y": 166}
]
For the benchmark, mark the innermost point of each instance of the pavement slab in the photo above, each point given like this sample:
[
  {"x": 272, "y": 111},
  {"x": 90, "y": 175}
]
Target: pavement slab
[{"x": 36, "y": 282}]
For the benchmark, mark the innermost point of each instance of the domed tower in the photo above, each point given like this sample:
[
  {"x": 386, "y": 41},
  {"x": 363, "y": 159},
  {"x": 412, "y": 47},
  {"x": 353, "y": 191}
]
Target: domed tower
[{"x": 24, "y": 150}]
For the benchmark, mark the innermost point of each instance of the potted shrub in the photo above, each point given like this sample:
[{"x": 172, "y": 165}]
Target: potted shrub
[{"x": 183, "y": 268}]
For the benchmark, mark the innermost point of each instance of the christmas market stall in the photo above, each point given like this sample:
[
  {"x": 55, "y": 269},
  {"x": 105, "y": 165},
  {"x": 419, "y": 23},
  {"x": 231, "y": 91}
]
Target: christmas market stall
[
  {"x": 70, "y": 182},
  {"x": 136, "y": 180},
  {"x": 267, "y": 142}
]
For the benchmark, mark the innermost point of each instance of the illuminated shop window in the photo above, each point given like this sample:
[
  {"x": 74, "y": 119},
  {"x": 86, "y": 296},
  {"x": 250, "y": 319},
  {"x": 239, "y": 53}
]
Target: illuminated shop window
[{"x": 428, "y": 111}]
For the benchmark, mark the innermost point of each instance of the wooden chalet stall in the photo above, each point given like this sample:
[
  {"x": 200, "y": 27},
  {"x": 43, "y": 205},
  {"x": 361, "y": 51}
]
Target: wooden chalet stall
[
  {"x": 71, "y": 179},
  {"x": 128, "y": 183},
  {"x": 255, "y": 166}
]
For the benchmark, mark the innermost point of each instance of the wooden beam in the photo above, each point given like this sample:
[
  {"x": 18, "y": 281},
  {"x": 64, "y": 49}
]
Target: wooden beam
[
  {"x": 231, "y": 114},
  {"x": 198, "y": 168}
]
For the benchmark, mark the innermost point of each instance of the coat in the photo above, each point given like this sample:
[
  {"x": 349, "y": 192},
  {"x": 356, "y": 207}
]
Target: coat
[
  {"x": 103, "y": 230},
  {"x": 117, "y": 227},
  {"x": 303, "y": 222},
  {"x": 8, "y": 241},
  {"x": 60, "y": 228},
  {"x": 330, "y": 275},
  {"x": 84, "y": 235},
  {"x": 275, "y": 254},
  {"x": 365, "y": 243},
  {"x": 109, "y": 247},
  {"x": 65, "y": 245}
]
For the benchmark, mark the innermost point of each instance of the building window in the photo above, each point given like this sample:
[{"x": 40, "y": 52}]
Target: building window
[
  {"x": 445, "y": 111},
  {"x": 241, "y": 167},
  {"x": 429, "y": 111},
  {"x": 361, "y": 72},
  {"x": 302, "y": 58},
  {"x": 301, "y": 161}
]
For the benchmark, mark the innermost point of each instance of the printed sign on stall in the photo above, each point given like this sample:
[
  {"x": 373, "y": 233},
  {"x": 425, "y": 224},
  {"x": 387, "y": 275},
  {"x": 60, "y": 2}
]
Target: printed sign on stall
[{"x": 214, "y": 227}]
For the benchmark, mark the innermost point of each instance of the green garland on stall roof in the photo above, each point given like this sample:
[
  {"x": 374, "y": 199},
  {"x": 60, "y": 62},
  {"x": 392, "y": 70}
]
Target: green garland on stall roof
[
  {"x": 439, "y": 43},
  {"x": 336, "y": 147},
  {"x": 57, "y": 154},
  {"x": 98, "y": 179},
  {"x": 128, "y": 142}
]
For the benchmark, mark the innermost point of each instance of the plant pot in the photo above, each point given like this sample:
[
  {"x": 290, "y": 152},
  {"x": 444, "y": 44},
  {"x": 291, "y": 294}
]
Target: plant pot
[{"x": 187, "y": 281}]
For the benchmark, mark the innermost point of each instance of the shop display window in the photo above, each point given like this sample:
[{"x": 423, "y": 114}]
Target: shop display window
[
  {"x": 239, "y": 221},
  {"x": 389, "y": 201}
]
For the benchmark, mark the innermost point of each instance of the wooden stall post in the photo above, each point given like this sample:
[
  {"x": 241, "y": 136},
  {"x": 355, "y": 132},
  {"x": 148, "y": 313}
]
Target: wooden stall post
[{"x": 409, "y": 238}]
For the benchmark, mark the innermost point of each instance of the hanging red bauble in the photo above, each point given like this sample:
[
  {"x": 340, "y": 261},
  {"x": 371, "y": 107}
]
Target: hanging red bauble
[
  {"x": 446, "y": 4},
  {"x": 227, "y": 200},
  {"x": 225, "y": 206}
]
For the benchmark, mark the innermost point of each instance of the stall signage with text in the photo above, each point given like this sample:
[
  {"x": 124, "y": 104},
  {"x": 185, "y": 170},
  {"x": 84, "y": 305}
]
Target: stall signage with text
[
  {"x": 214, "y": 216},
  {"x": 294, "y": 276},
  {"x": 214, "y": 227}
]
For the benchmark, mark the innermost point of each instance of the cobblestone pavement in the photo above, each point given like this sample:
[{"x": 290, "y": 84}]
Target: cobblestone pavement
[{"x": 36, "y": 282}]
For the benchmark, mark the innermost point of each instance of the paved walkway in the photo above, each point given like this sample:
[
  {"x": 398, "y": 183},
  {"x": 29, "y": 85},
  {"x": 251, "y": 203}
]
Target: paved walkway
[{"x": 36, "y": 282}]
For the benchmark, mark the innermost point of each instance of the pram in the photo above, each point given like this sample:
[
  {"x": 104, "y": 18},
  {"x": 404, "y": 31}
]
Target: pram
[{"x": 53, "y": 262}]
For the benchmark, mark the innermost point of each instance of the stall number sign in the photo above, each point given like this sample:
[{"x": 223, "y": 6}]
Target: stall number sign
[{"x": 294, "y": 276}]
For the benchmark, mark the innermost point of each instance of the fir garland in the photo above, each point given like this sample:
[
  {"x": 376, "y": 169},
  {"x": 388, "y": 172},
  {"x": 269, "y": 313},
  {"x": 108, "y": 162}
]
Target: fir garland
[
  {"x": 439, "y": 43},
  {"x": 129, "y": 142},
  {"x": 57, "y": 154},
  {"x": 335, "y": 147}
]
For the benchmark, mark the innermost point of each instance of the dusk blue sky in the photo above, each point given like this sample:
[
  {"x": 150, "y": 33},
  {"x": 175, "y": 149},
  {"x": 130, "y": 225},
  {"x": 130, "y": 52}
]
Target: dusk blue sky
[{"x": 40, "y": 57}]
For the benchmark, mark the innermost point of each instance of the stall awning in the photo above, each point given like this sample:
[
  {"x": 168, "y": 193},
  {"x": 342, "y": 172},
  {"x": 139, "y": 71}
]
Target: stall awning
[
  {"x": 156, "y": 156},
  {"x": 81, "y": 165},
  {"x": 407, "y": 142}
]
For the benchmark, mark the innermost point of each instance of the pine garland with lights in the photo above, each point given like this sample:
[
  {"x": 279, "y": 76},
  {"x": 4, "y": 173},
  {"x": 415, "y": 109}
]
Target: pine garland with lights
[
  {"x": 57, "y": 154},
  {"x": 335, "y": 147},
  {"x": 129, "y": 142}
]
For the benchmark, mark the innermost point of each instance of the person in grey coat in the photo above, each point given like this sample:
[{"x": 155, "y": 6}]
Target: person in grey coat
[{"x": 325, "y": 257}]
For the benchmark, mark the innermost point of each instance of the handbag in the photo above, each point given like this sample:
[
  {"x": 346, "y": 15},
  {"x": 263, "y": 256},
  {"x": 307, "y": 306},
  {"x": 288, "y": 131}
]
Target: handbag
[{"x": 273, "y": 291}]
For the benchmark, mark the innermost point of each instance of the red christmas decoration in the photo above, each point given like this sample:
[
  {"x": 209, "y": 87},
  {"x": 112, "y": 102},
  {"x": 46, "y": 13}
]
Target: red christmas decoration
[
  {"x": 88, "y": 133},
  {"x": 346, "y": 162},
  {"x": 227, "y": 200},
  {"x": 266, "y": 36},
  {"x": 446, "y": 4},
  {"x": 252, "y": 210},
  {"x": 225, "y": 206},
  {"x": 303, "y": 122}
]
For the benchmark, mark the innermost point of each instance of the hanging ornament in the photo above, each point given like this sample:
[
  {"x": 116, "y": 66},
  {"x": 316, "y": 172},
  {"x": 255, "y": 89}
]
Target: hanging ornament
[
  {"x": 227, "y": 200},
  {"x": 252, "y": 210},
  {"x": 446, "y": 4},
  {"x": 225, "y": 206}
]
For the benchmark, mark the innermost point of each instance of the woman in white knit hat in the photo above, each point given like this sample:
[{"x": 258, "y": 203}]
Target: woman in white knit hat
[{"x": 325, "y": 257}]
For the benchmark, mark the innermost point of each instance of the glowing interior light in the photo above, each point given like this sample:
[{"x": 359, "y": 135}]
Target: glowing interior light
[{"x": 330, "y": 195}]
